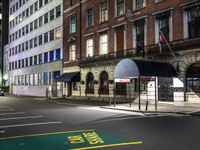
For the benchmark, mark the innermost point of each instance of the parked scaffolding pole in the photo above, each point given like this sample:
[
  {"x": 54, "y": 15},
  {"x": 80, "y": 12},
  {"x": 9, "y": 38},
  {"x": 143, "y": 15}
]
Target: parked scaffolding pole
[
  {"x": 155, "y": 93},
  {"x": 139, "y": 93}
]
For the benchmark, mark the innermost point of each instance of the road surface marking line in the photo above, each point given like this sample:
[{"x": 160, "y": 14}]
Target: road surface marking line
[
  {"x": 44, "y": 134},
  {"x": 16, "y": 113},
  {"x": 31, "y": 124},
  {"x": 108, "y": 145},
  {"x": 17, "y": 118}
]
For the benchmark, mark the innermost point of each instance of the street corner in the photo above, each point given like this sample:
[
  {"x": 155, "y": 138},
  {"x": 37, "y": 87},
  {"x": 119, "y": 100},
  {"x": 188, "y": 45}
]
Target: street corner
[{"x": 70, "y": 140}]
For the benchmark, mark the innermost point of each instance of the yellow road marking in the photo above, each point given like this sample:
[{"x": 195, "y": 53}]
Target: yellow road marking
[
  {"x": 108, "y": 145},
  {"x": 43, "y": 134}
]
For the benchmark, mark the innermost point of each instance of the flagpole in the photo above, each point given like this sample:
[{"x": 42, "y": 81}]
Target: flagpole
[{"x": 168, "y": 45}]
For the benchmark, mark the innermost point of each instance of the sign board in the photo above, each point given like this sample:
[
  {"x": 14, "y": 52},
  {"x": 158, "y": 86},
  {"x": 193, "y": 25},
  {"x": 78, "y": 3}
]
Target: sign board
[{"x": 122, "y": 80}]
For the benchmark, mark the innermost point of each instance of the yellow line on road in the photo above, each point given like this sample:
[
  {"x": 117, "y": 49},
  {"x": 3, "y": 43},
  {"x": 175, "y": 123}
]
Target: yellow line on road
[
  {"x": 108, "y": 145},
  {"x": 43, "y": 134}
]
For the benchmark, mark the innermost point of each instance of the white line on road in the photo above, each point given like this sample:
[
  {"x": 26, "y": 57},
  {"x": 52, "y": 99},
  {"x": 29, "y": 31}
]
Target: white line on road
[
  {"x": 31, "y": 124},
  {"x": 17, "y": 118},
  {"x": 15, "y": 113}
]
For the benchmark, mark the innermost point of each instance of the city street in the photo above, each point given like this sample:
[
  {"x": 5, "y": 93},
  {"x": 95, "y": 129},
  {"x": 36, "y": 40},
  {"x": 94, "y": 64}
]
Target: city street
[{"x": 30, "y": 123}]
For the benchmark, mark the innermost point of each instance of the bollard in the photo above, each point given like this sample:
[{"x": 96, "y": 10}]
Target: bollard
[{"x": 147, "y": 102}]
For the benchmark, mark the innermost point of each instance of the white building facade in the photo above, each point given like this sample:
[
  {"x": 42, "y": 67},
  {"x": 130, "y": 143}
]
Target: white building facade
[{"x": 35, "y": 47}]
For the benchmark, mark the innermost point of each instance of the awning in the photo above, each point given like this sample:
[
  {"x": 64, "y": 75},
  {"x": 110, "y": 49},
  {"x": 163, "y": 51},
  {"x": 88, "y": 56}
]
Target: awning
[
  {"x": 70, "y": 77},
  {"x": 128, "y": 68}
]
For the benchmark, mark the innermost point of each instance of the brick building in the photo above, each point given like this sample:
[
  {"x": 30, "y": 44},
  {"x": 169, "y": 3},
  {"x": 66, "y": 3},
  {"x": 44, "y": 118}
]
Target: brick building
[{"x": 98, "y": 34}]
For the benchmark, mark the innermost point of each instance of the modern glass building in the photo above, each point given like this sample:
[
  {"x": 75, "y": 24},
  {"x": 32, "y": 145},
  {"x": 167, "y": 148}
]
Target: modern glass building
[{"x": 35, "y": 47}]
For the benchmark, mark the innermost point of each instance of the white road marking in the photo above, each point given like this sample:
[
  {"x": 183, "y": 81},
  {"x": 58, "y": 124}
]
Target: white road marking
[
  {"x": 17, "y": 118},
  {"x": 15, "y": 113},
  {"x": 31, "y": 124}
]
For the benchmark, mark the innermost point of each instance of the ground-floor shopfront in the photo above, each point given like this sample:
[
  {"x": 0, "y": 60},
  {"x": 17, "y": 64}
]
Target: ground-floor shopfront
[{"x": 97, "y": 81}]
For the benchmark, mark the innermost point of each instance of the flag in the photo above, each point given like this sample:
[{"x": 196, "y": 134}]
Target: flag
[{"x": 161, "y": 41}]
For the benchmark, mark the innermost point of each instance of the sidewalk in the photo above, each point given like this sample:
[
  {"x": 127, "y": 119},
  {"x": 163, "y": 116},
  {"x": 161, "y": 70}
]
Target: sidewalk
[{"x": 188, "y": 109}]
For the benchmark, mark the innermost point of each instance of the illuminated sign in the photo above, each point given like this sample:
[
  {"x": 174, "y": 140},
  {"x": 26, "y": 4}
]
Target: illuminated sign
[{"x": 122, "y": 80}]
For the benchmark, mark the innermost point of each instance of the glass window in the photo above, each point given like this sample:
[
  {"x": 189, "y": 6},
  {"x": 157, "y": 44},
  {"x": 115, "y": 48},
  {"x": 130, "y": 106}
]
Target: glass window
[
  {"x": 103, "y": 44},
  {"x": 26, "y": 79},
  {"x": 40, "y": 39},
  {"x": 30, "y": 61},
  {"x": 45, "y": 2},
  {"x": 26, "y": 45},
  {"x": 140, "y": 3},
  {"x": 31, "y": 9},
  {"x": 90, "y": 83},
  {"x": 31, "y": 79},
  {"x": 22, "y": 80},
  {"x": 46, "y": 18},
  {"x": 45, "y": 78},
  {"x": 58, "y": 33},
  {"x": 58, "y": 54},
  {"x": 35, "y": 24},
  {"x": 40, "y": 21},
  {"x": 35, "y": 42},
  {"x": 40, "y": 3},
  {"x": 90, "y": 47},
  {"x": 193, "y": 16},
  {"x": 90, "y": 17},
  {"x": 58, "y": 11},
  {"x": 163, "y": 24},
  {"x": 36, "y": 5},
  {"x": 104, "y": 11},
  {"x": 46, "y": 57},
  {"x": 104, "y": 85},
  {"x": 51, "y": 56},
  {"x": 40, "y": 79},
  {"x": 35, "y": 79},
  {"x": 72, "y": 24},
  {"x": 40, "y": 59},
  {"x": 31, "y": 43},
  {"x": 72, "y": 52},
  {"x": 51, "y": 35},
  {"x": 140, "y": 38},
  {"x": 119, "y": 7},
  {"x": 35, "y": 60},
  {"x": 26, "y": 64},
  {"x": 27, "y": 29},
  {"x": 31, "y": 26},
  {"x": 46, "y": 38},
  {"x": 52, "y": 14}
]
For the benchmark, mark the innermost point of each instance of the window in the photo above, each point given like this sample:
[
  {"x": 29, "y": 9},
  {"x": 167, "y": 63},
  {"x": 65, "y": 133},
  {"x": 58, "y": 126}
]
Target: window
[
  {"x": 119, "y": 7},
  {"x": 104, "y": 85},
  {"x": 46, "y": 57},
  {"x": 30, "y": 61},
  {"x": 26, "y": 62},
  {"x": 72, "y": 52},
  {"x": 35, "y": 79},
  {"x": 103, "y": 44},
  {"x": 23, "y": 31},
  {"x": 58, "y": 33},
  {"x": 104, "y": 11},
  {"x": 90, "y": 83},
  {"x": 26, "y": 79},
  {"x": 35, "y": 60},
  {"x": 27, "y": 12},
  {"x": 40, "y": 78},
  {"x": 27, "y": 29},
  {"x": 40, "y": 39},
  {"x": 31, "y": 10},
  {"x": 35, "y": 24},
  {"x": 45, "y": 2},
  {"x": 35, "y": 42},
  {"x": 72, "y": 24},
  {"x": 72, "y": 2},
  {"x": 90, "y": 47},
  {"x": 31, "y": 26},
  {"x": 23, "y": 47},
  {"x": 90, "y": 17},
  {"x": 45, "y": 78},
  {"x": 52, "y": 14},
  {"x": 140, "y": 4},
  {"x": 58, "y": 54},
  {"x": 163, "y": 25},
  {"x": 40, "y": 21},
  {"x": 51, "y": 38},
  {"x": 31, "y": 79},
  {"x": 40, "y": 59},
  {"x": 51, "y": 57},
  {"x": 22, "y": 79},
  {"x": 139, "y": 31},
  {"x": 36, "y": 5},
  {"x": 193, "y": 17},
  {"x": 46, "y": 38},
  {"x": 26, "y": 45},
  {"x": 31, "y": 43},
  {"x": 40, "y": 3},
  {"x": 46, "y": 19},
  {"x": 58, "y": 11}
]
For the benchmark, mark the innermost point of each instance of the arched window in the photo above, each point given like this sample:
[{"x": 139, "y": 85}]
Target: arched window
[
  {"x": 104, "y": 85},
  {"x": 90, "y": 83}
]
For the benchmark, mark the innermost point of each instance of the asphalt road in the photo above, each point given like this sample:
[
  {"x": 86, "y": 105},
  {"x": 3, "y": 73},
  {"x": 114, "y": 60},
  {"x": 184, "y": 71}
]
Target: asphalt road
[{"x": 35, "y": 120}]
